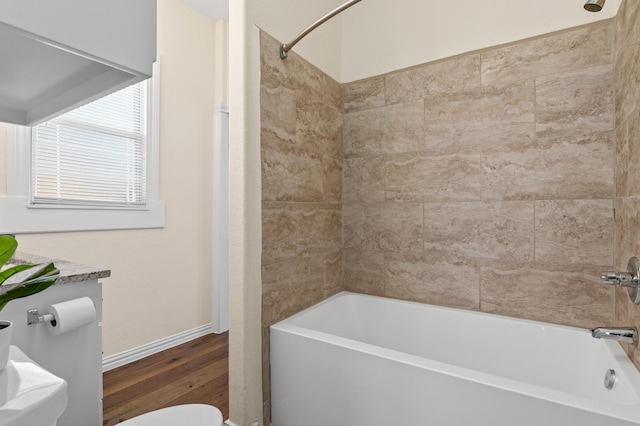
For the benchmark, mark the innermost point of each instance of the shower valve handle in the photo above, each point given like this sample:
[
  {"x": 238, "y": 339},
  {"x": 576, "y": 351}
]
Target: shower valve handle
[
  {"x": 622, "y": 279},
  {"x": 629, "y": 279}
]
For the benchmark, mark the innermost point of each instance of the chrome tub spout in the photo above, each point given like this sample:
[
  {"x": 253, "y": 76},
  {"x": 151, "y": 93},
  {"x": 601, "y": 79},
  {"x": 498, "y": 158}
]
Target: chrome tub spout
[{"x": 621, "y": 334}]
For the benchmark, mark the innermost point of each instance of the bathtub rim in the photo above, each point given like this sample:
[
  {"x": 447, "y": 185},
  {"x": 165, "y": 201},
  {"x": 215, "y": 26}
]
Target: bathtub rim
[{"x": 628, "y": 412}]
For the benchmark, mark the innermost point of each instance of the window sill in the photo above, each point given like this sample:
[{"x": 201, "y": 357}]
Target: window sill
[{"x": 16, "y": 218}]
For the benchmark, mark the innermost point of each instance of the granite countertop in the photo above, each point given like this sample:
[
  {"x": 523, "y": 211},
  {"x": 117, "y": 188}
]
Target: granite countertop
[{"x": 69, "y": 272}]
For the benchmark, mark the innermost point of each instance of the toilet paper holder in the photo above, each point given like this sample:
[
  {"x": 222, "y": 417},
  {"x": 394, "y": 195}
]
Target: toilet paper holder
[
  {"x": 63, "y": 317},
  {"x": 34, "y": 317}
]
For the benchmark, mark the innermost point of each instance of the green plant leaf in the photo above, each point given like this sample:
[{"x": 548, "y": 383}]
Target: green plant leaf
[
  {"x": 40, "y": 280},
  {"x": 8, "y": 246},
  {"x": 7, "y": 273},
  {"x": 45, "y": 271}
]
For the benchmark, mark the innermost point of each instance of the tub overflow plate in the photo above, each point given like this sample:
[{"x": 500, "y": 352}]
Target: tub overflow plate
[{"x": 610, "y": 379}]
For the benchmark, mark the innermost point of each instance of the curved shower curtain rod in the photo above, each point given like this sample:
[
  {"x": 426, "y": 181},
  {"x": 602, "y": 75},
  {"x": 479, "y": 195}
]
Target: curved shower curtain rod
[{"x": 286, "y": 47}]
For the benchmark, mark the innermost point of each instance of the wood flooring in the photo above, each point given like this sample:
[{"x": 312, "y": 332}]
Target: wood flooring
[{"x": 194, "y": 372}]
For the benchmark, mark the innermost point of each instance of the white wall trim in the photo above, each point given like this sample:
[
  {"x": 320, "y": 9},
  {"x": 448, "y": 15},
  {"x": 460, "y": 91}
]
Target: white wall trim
[
  {"x": 220, "y": 261},
  {"x": 17, "y": 218},
  {"x": 117, "y": 360}
]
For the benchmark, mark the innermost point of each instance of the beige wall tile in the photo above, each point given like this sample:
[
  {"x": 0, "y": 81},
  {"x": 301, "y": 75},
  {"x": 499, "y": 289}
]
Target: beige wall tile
[
  {"x": 450, "y": 75},
  {"x": 277, "y": 116},
  {"x": 627, "y": 231},
  {"x": 577, "y": 102},
  {"x": 364, "y": 180},
  {"x": 461, "y": 134},
  {"x": 434, "y": 176},
  {"x": 496, "y": 230},
  {"x": 319, "y": 228},
  {"x": 562, "y": 294},
  {"x": 333, "y": 275},
  {"x": 627, "y": 58},
  {"x": 279, "y": 231},
  {"x": 621, "y": 310},
  {"x": 627, "y": 68},
  {"x": 309, "y": 79},
  {"x": 622, "y": 166},
  {"x": 332, "y": 179},
  {"x": 633, "y": 350},
  {"x": 382, "y": 226},
  {"x": 291, "y": 174},
  {"x": 318, "y": 125},
  {"x": 315, "y": 279},
  {"x": 546, "y": 168},
  {"x": 295, "y": 284},
  {"x": 283, "y": 290},
  {"x": 484, "y": 115},
  {"x": 364, "y": 272},
  {"x": 363, "y": 94},
  {"x": 299, "y": 229},
  {"x": 628, "y": 156},
  {"x": 273, "y": 70},
  {"x": 560, "y": 52},
  {"x": 432, "y": 278},
  {"x": 323, "y": 275},
  {"x": 625, "y": 21},
  {"x": 391, "y": 129},
  {"x": 574, "y": 231}
]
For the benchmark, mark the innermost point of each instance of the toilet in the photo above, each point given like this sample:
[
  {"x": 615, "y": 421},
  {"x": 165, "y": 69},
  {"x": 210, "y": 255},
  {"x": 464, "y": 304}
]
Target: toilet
[
  {"x": 29, "y": 394},
  {"x": 178, "y": 415}
]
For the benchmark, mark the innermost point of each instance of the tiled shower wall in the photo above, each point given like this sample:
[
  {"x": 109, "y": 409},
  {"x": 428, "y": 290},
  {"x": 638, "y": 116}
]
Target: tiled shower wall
[
  {"x": 301, "y": 149},
  {"x": 627, "y": 201},
  {"x": 486, "y": 181}
]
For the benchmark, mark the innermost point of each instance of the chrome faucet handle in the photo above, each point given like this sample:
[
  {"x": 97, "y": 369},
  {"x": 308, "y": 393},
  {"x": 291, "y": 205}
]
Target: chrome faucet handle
[
  {"x": 622, "y": 279},
  {"x": 629, "y": 279}
]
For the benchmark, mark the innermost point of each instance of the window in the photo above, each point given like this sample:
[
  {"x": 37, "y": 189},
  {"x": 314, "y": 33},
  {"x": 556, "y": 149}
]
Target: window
[
  {"x": 94, "y": 155},
  {"x": 93, "y": 168}
]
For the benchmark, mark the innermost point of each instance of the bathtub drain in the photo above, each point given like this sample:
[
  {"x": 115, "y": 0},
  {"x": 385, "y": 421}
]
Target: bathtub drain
[{"x": 610, "y": 379}]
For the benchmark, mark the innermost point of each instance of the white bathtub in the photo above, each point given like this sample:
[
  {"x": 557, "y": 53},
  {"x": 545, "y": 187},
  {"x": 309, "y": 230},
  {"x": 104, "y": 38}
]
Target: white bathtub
[{"x": 356, "y": 360}]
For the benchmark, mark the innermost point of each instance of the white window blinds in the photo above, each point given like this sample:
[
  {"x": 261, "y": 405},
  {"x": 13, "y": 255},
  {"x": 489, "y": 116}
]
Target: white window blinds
[{"x": 94, "y": 155}]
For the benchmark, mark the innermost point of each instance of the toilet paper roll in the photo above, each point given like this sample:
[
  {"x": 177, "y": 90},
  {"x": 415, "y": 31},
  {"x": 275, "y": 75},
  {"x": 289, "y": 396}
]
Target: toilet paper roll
[{"x": 71, "y": 315}]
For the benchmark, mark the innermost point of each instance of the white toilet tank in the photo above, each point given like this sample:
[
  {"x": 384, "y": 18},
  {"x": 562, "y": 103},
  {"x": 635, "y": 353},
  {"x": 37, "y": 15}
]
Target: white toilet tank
[{"x": 29, "y": 394}]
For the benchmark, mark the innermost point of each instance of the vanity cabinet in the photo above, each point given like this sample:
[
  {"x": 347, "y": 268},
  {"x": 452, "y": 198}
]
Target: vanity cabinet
[{"x": 75, "y": 356}]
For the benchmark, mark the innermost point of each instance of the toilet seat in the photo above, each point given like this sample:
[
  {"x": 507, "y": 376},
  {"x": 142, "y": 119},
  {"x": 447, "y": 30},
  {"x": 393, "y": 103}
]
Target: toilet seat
[{"x": 178, "y": 415}]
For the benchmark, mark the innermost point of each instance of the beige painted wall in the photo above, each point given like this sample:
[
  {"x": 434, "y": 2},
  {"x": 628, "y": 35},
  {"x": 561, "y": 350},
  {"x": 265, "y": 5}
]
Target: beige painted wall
[
  {"x": 221, "y": 61},
  {"x": 383, "y": 36},
  {"x": 161, "y": 279}
]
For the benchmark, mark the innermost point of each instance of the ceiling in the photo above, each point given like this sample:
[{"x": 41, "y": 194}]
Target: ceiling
[{"x": 215, "y": 10}]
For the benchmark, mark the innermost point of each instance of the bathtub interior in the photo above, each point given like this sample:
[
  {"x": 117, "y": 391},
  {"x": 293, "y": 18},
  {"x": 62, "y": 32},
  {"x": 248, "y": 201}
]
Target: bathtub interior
[{"x": 564, "y": 359}]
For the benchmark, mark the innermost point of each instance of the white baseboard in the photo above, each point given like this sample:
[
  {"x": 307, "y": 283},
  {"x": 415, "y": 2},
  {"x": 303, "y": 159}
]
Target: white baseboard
[{"x": 116, "y": 360}]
